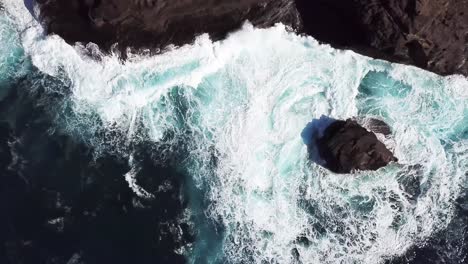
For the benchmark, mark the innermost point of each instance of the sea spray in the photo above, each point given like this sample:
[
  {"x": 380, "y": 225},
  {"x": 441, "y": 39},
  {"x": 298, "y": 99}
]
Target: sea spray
[{"x": 240, "y": 106}]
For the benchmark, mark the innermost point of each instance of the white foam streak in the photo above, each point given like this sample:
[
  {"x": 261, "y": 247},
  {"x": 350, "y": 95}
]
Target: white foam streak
[
  {"x": 248, "y": 98},
  {"x": 132, "y": 182}
]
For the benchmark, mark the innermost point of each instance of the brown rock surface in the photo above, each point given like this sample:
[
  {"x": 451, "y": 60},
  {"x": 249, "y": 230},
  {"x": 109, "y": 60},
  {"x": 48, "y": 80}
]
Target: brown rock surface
[
  {"x": 431, "y": 34},
  {"x": 158, "y": 23},
  {"x": 346, "y": 146}
]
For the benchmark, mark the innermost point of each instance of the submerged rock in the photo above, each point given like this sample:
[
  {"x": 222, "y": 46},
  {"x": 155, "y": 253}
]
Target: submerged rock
[
  {"x": 345, "y": 146},
  {"x": 409, "y": 180}
]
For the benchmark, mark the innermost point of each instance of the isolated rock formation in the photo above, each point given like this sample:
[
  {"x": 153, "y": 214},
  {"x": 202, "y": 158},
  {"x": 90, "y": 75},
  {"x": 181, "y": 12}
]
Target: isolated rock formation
[{"x": 347, "y": 146}]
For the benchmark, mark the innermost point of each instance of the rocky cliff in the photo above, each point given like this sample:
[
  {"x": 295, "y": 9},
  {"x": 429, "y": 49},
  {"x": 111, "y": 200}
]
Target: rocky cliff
[
  {"x": 431, "y": 34},
  {"x": 157, "y": 23}
]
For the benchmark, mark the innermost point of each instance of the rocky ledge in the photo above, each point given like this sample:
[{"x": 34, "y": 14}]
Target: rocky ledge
[
  {"x": 155, "y": 24},
  {"x": 430, "y": 34}
]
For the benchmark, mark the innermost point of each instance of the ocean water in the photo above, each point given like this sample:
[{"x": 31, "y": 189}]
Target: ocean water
[{"x": 229, "y": 115}]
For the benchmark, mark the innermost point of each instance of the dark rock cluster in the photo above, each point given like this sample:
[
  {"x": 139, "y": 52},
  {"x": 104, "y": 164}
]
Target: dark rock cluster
[
  {"x": 430, "y": 34},
  {"x": 157, "y": 23},
  {"x": 346, "y": 146}
]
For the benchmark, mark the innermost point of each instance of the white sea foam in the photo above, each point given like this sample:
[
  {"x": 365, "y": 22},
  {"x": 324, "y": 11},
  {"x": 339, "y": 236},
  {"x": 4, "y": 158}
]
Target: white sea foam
[
  {"x": 11, "y": 52},
  {"x": 246, "y": 100},
  {"x": 132, "y": 182}
]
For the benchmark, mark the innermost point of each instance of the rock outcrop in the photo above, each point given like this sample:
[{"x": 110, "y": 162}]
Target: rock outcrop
[
  {"x": 157, "y": 23},
  {"x": 346, "y": 146},
  {"x": 430, "y": 34}
]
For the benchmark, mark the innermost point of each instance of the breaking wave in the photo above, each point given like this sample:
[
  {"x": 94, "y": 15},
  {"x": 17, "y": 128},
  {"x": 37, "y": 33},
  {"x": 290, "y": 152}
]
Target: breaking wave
[{"x": 237, "y": 107}]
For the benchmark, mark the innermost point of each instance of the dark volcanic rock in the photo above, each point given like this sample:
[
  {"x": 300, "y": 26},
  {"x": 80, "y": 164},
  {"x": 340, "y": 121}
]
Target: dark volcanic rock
[
  {"x": 346, "y": 146},
  {"x": 430, "y": 34},
  {"x": 158, "y": 23}
]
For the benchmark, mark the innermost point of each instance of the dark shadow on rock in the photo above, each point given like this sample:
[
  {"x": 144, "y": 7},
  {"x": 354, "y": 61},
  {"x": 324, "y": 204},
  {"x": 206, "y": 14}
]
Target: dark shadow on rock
[{"x": 312, "y": 133}]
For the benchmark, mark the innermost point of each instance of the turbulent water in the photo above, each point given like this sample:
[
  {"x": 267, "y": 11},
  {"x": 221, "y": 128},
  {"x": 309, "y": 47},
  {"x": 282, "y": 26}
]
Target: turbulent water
[{"x": 232, "y": 113}]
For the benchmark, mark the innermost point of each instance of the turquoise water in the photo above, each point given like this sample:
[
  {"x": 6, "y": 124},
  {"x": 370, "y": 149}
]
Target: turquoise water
[
  {"x": 11, "y": 53},
  {"x": 243, "y": 103}
]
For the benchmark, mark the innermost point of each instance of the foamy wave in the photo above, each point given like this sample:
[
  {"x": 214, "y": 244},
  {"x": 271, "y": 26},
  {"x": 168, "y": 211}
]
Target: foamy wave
[
  {"x": 11, "y": 52},
  {"x": 245, "y": 101}
]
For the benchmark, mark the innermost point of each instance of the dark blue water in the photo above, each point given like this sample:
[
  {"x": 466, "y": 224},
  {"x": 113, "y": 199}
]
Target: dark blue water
[{"x": 197, "y": 156}]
